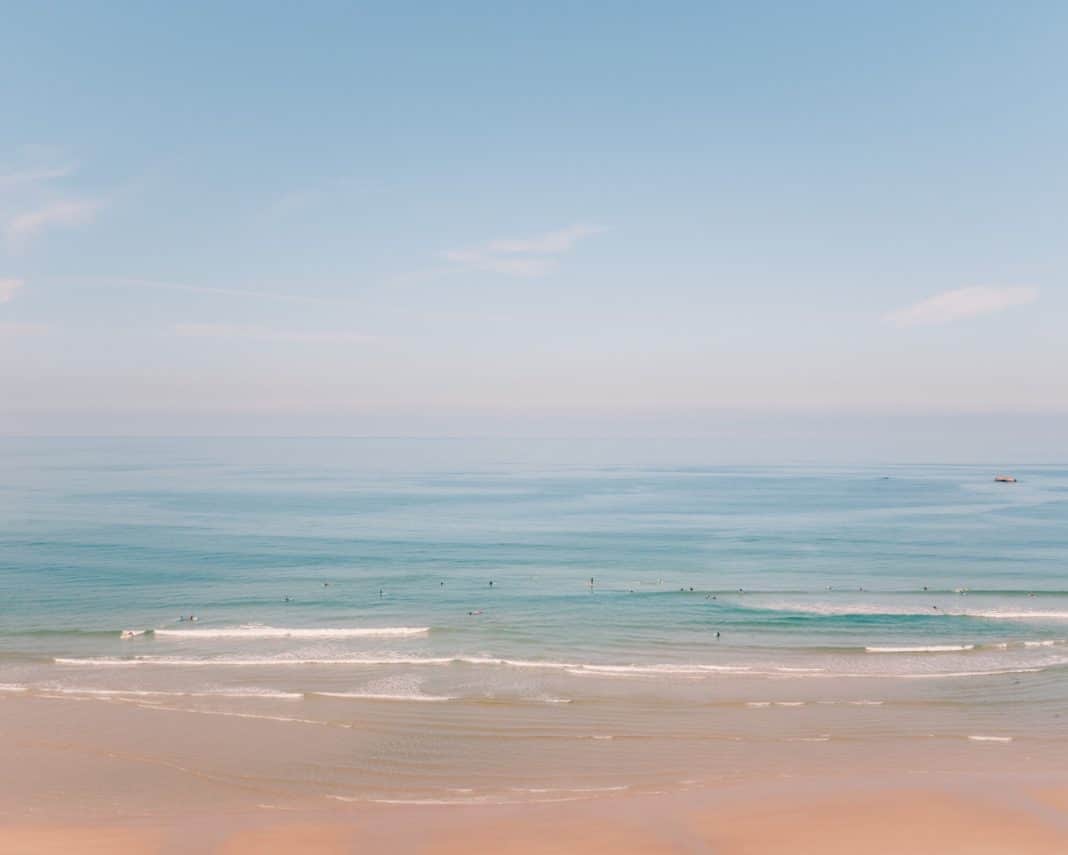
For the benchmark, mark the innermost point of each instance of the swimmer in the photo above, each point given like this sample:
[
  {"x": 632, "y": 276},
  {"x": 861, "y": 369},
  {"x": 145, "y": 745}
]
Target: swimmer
[
  {"x": 717, "y": 633},
  {"x": 381, "y": 592},
  {"x": 591, "y": 581},
  {"x": 491, "y": 583},
  {"x": 287, "y": 599},
  {"x": 326, "y": 584}
]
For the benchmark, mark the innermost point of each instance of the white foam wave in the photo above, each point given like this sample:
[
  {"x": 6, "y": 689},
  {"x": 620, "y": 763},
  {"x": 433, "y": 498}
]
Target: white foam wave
[
  {"x": 877, "y": 609},
  {"x": 668, "y": 670},
  {"x": 114, "y": 662},
  {"x": 1029, "y": 615},
  {"x": 979, "y": 738},
  {"x": 932, "y": 648},
  {"x": 256, "y": 631},
  {"x": 571, "y": 667}
]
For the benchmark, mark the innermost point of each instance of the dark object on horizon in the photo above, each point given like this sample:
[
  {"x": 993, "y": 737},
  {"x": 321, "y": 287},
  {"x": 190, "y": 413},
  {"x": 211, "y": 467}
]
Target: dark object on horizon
[{"x": 1005, "y": 479}]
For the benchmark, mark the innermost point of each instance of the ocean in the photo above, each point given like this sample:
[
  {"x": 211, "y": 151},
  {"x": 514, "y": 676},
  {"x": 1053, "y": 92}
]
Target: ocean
[{"x": 489, "y": 620}]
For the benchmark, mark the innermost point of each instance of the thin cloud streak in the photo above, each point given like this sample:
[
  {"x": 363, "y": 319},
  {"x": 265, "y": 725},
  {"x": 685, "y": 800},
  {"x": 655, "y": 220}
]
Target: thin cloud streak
[
  {"x": 209, "y": 289},
  {"x": 23, "y": 228},
  {"x": 256, "y": 333},
  {"x": 522, "y": 256},
  {"x": 962, "y": 303},
  {"x": 33, "y": 176},
  {"x": 8, "y": 287}
]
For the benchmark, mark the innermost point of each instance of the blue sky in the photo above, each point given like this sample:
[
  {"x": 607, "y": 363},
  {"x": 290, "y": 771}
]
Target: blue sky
[{"x": 415, "y": 217}]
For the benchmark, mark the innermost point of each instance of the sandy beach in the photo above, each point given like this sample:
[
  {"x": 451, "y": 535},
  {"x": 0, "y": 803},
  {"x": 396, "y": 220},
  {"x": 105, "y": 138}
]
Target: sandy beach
[
  {"x": 88, "y": 781},
  {"x": 955, "y": 814}
]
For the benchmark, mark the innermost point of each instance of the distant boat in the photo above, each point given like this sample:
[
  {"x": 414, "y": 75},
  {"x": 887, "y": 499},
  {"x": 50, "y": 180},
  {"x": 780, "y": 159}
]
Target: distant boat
[{"x": 1005, "y": 479}]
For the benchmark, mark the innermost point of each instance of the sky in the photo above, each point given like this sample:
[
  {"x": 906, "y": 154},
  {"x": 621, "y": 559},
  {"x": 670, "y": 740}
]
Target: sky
[{"x": 456, "y": 218}]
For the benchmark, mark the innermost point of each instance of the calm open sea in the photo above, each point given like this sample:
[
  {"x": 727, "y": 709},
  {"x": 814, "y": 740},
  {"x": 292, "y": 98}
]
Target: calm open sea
[{"x": 533, "y": 618}]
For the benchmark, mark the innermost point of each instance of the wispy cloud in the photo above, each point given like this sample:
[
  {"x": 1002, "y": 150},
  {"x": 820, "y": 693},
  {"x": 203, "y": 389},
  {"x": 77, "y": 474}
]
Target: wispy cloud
[
  {"x": 521, "y": 256},
  {"x": 22, "y": 228},
  {"x": 258, "y": 333},
  {"x": 123, "y": 282},
  {"x": 33, "y": 175},
  {"x": 962, "y": 303},
  {"x": 8, "y": 287}
]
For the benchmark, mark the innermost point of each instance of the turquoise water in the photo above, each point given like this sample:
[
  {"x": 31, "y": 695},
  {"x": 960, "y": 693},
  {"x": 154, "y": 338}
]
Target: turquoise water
[{"x": 333, "y": 578}]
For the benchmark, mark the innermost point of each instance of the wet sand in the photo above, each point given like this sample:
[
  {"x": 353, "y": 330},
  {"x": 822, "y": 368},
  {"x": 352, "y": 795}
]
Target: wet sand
[{"x": 88, "y": 777}]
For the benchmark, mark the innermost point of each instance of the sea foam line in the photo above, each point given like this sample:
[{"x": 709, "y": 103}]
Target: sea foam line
[
  {"x": 576, "y": 669},
  {"x": 255, "y": 631},
  {"x": 872, "y": 610}
]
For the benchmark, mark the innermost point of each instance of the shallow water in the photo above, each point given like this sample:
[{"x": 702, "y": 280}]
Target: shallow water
[{"x": 345, "y": 585}]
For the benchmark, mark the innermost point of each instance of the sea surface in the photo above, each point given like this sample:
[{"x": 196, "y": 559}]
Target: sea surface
[{"x": 487, "y": 620}]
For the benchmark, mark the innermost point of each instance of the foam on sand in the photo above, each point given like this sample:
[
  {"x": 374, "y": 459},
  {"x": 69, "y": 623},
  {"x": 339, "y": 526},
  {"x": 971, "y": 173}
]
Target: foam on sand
[
  {"x": 383, "y": 696},
  {"x": 931, "y": 648}
]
